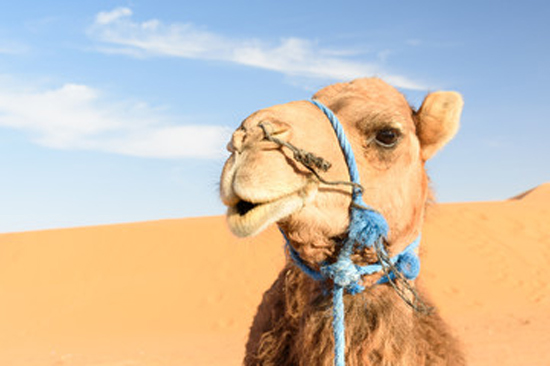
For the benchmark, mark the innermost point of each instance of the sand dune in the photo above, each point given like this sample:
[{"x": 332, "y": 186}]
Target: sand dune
[{"x": 183, "y": 292}]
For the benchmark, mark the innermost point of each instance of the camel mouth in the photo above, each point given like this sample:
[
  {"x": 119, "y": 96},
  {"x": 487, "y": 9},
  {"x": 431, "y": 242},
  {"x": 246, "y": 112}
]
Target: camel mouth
[
  {"x": 247, "y": 218},
  {"x": 243, "y": 207}
]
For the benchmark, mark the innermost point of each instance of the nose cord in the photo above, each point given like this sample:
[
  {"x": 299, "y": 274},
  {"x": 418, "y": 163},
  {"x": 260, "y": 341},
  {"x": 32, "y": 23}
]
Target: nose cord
[{"x": 309, "y": 160}]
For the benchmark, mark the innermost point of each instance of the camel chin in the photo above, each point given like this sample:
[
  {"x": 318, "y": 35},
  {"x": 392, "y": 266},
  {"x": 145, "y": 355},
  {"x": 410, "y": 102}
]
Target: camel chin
[{"x": 248, "y": 219}]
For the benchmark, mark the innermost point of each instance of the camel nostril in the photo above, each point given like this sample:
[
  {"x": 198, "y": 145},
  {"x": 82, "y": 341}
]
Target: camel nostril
[{"x": 237, "y": 141}]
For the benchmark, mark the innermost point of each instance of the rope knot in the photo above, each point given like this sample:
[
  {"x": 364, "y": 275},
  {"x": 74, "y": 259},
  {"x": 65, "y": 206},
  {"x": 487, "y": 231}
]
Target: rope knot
[
  {"x": 344, "y": 273},
  {"x": 367, "y": 227}
]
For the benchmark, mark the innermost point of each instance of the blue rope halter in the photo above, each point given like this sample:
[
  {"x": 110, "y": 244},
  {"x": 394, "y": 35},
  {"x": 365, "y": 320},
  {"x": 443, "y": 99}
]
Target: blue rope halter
[{"x": 367, "y": 228}]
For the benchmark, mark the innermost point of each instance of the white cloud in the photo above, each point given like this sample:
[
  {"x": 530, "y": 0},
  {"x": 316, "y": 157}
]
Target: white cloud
[
  {"x": 106, "y": 17},
  {"x": 79, "y": 117},
  {"x": 291, "y": 56}
]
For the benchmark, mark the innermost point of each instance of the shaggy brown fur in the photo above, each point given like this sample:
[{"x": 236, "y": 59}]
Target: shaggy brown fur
[{"x": 293, "y": 327}]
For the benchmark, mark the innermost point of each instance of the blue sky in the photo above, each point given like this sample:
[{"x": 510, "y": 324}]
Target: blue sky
[{"x": 119, "y": 111}]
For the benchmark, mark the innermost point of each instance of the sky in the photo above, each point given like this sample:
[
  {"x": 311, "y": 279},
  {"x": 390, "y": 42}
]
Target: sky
[{"x": 120, "y": 111}]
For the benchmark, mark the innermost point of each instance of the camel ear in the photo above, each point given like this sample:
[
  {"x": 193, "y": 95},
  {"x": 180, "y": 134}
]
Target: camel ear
[{"x": 438, "y": 121}]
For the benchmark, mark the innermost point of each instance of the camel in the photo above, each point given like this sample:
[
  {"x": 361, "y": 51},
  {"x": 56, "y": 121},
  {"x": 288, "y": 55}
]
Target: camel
[{"x": 263, "y": 182}]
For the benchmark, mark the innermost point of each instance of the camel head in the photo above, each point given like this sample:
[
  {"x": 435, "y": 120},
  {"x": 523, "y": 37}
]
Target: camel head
[{"x": 262, "y": 183}]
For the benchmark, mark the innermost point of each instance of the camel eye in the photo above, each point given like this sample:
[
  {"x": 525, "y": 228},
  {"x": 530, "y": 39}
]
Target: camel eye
[{"x": 387, "y": 137}]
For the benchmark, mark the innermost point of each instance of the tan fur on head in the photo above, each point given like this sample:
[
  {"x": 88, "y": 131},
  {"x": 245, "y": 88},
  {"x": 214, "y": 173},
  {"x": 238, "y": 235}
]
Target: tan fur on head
[{"x": 438, "y": 121}]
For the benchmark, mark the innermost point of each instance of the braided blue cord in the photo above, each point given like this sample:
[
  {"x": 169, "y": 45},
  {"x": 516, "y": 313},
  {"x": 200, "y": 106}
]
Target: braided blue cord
[
  {"x": 366, "y": 228},
  {"x": 338, "y": 325},
  {"x": 344, "y": 144}
]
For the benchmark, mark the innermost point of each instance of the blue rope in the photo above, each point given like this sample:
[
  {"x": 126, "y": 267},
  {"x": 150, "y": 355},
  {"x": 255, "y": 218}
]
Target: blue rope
[
  {"x": 367, "y": 228},
  {"x": 346, "y": 147},
  {"x": 406, "y": 262}
]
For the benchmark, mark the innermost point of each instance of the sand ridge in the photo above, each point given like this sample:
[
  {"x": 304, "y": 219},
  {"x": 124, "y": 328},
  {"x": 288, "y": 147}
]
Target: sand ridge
[{"x": 183, "y": 292}]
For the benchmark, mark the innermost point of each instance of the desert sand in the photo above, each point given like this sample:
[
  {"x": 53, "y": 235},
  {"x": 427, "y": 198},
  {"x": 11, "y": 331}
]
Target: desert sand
[{"x": 183, "y": 292}]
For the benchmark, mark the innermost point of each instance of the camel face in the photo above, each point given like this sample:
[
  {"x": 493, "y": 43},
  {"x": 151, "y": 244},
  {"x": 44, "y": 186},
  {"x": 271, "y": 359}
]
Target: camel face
[{"x": 262, "y": 183}]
